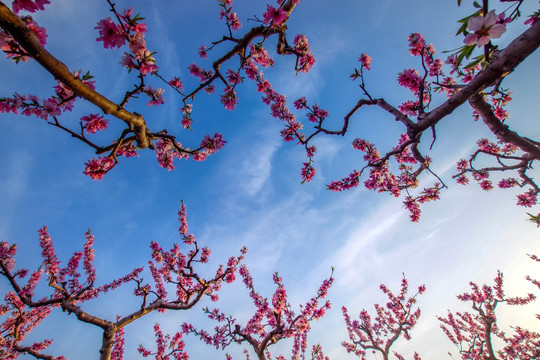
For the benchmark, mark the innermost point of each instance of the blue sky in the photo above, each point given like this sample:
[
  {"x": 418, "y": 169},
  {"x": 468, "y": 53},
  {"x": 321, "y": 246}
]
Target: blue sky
[{"x": 250, "y": 193}]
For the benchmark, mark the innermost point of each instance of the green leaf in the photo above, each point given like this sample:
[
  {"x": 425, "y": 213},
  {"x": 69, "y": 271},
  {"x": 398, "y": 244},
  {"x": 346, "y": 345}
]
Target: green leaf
[
  {"x": 458, "y": 2},
  {"x": 462, "y": 28},
  {"x": 477, "y": 5},
  {"x": 465, "y": 53},
  {"x": 465, "y": 22},
  {"x": 453, "y": 51},
  {"x": 476, "y": 61}
]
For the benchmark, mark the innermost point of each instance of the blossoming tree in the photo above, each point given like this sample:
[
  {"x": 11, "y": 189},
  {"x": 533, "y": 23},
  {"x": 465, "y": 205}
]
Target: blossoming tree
[
  {"x": 477, "y": 334},
  {"x": 474, "y": 74},
  {"x": 478, "y": 81},
  {"x": 71, "y": 286},
  {"x": 397, "y": 318},
  {"x": 272, "y": 322}
]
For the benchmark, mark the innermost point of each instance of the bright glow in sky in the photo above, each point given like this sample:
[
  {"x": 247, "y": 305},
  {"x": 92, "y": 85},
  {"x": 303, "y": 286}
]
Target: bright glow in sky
[{"x": 249, "y": 193}]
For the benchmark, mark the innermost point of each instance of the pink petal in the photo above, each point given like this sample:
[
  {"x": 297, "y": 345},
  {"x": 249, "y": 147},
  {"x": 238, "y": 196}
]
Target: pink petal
[
  {"x": 475, "y": 23},
  {"x": 470, "y": 39},
  {"x": 490, "y": 19},
  {"x": 497, "y": 30},
  {"x": 483, "y": 40}
]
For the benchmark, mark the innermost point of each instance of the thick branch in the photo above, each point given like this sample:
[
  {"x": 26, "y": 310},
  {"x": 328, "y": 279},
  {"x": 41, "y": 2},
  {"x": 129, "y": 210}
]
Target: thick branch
[
  {"x": 503, "y": 63},
  {"x": 500, "y": 130},
  {"x": 28, "y": 40},
  {"x": 85, "y": 317}
]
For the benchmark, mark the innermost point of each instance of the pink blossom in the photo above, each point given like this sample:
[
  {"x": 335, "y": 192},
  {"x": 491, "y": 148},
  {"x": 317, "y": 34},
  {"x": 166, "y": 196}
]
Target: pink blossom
[
  {"x": 261, "y": 56},
  {"x": 127, "y": 61},
  {"x": 417, "y": 44},
  {"x": 310, "y": 151},
  {"x": 365, "y": 60},
  {"x": 500, "y": 113},
  {"x": 533, "y": 19},
  {"x": 484, "y": 29},
  {"x": 233, "y": 21},
  {"x": 29, "y": 5},
  {"x": 486, "y": 185},
  {"x": 148, "y": 64},
  {"x": 527, "y": 199},
  {"x": 274, "y": 16},
  {"x": 176, "y": 83},
  {"x": 186, "y": 119},
  {"x": 435, "y": 67},
  {"x": 117, "y": 352},
  {"x": 233, "y": 77},
  {"x": 213, "y": 143},
  {"x": 97, "y": 168},
  {"x": 307, "y": 59},
  {"x": 317, "y": 114},
  {"x": 308, "y": 172},
  {"x": 127, "y": 150},
  {"x": 410, "y": 79},
  {"x": 182, "y": 218},
  {"x": 137, "y": 45},
  {"x": 462, "y": 164},
  {"x": 413, "y": 207},
  {"x": 409, "y": 108},
  {"x": 94, "y": 122},
  {"x": 40, "y": 32},
  {"x": 508, "y": 183},
  {"x": 166, "y": 153},
  {"x": 202, "y": 52},
  {"x": 300, "y": 103},
  {"x": 199, "y": 72},
  {"x": 50, "y": 260},
  {"x": 88, "y": 261},
  {"x": 262, "y": 86},
  {"x": 156, "y": 95},
  {"x": 50, "y": 107},
  {"x": 229, "y": 98},
  {"x": 110, "y": 33}
]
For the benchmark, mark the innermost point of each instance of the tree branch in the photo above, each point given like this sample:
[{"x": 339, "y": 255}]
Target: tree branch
[
  {"x": 502, "y": 63},
  {"x": 28, "y": 40}
]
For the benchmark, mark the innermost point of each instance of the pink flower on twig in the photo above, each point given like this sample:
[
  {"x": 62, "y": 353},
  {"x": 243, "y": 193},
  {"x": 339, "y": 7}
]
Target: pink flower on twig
[
  {"x": 485, "y": 28},
  {"x": 110, "y": 33},
  {"x": 94, "y": 122}
]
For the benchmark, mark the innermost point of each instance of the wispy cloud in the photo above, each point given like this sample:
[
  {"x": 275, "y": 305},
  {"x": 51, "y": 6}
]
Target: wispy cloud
[
  {"x": 249, "y": 165},
  {"x": 361, "y": 246}
]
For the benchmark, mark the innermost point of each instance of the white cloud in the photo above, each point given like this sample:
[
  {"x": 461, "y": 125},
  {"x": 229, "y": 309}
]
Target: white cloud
[
  {"x": 249, "y": 165},
  {"x": 361, "y": 246}
]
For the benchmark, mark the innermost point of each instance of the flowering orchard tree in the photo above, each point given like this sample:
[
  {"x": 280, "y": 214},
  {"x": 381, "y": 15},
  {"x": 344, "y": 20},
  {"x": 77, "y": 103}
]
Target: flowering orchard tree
[
  {"x": 395, "y": 319},
  {"x": 478, "y": 82},
  {"x": 273, "y": 321},
  {"x": 22, "y": 38},
  {"x": 475, "y": 333},
  {"x": 474, "y": 73},
  {"x": 175, "y": 285}
]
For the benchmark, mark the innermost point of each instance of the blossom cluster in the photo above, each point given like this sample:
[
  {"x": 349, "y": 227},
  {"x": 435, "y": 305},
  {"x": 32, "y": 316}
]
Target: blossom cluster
[
  {"x": 128, "y": 28},
  {"x": 49, "y": 108},
  {"x": 503, "y": 151},
  {"x": 476, "y": 333},
  {"x": 272, "y": 321},
  {"x": 233, "y": 23},
  {"x": 397, "y": 318},
  {"x": 71, "y": 286}
]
